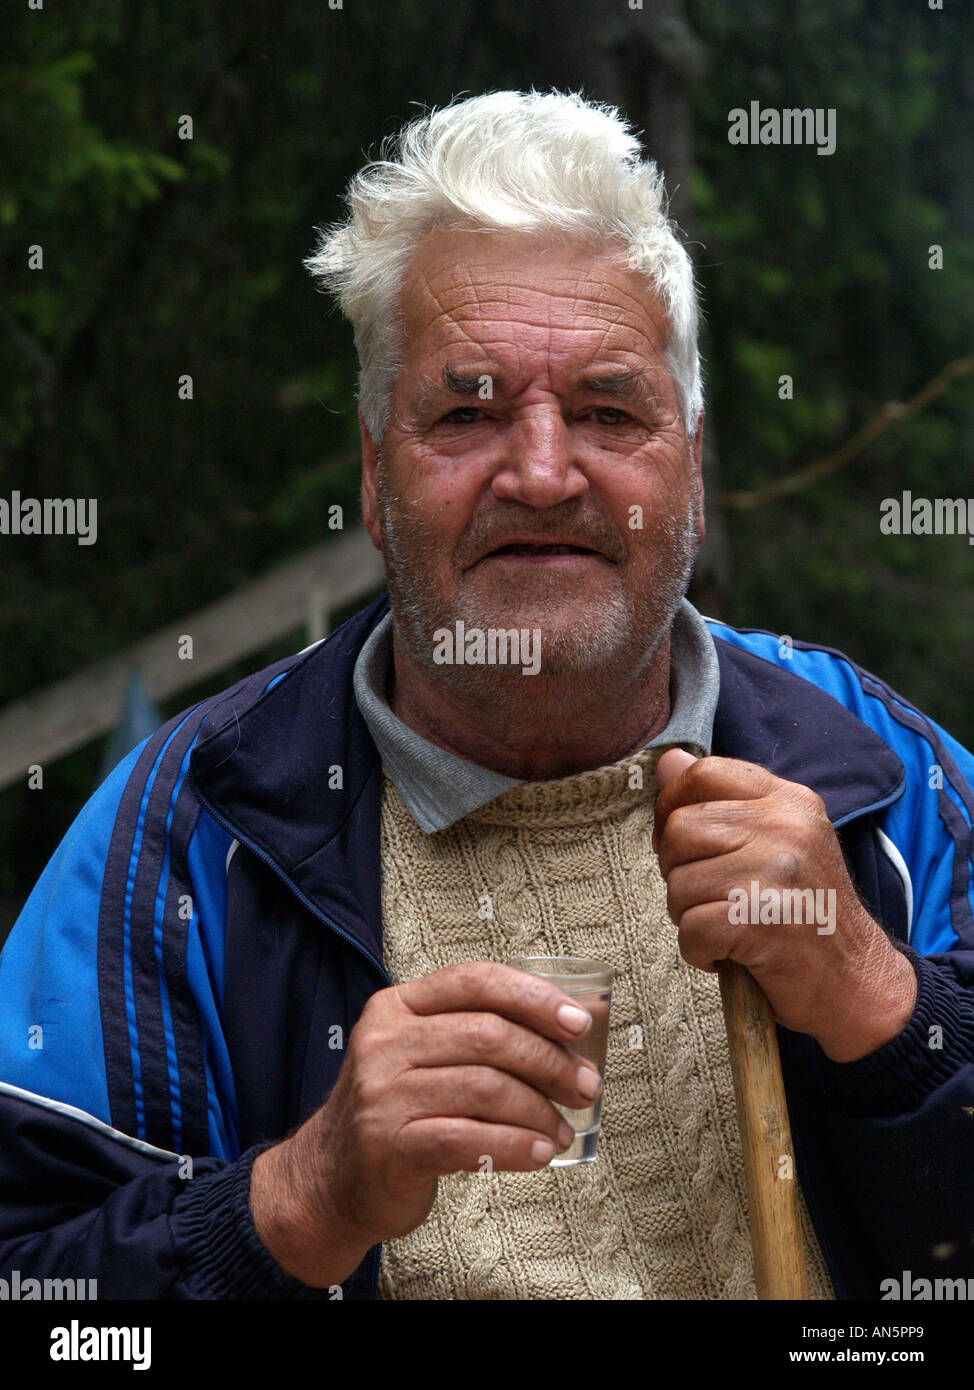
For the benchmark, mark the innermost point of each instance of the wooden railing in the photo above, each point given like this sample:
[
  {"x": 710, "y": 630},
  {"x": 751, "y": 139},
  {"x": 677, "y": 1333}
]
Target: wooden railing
[{"x": 302, "y": 592}]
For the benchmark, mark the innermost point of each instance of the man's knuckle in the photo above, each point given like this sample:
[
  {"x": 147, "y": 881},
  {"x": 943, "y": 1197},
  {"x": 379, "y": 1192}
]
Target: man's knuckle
[
  {"x": 808, "y": 799},
  {"x": 782, "y": 867},
  {"x": 484, "y": 1033},
  {"x": 484, "y": 1086},
  {"x": 464, "y": 975},
  {"x": 473, "y": 978},
  {"x": 445, "y": 1141}
]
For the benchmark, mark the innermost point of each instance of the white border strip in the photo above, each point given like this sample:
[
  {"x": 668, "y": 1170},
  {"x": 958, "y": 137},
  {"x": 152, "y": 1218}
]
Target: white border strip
[
  {"x": 234, "y": 846},
  {"x": 73, "y": 1113},
  {"x": 899, "y": 864}
]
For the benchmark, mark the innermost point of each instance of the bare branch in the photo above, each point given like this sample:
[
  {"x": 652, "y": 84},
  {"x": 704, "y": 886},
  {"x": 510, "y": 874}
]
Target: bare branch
[{"x": 888, "y": 415}]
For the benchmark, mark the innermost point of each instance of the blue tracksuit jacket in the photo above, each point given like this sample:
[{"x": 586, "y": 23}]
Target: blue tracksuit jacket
[{"x": 178, "y": 989}]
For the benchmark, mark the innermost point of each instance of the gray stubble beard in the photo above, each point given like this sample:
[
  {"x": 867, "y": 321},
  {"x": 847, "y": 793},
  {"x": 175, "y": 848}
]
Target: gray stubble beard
[{"x": 608, "y": 638}]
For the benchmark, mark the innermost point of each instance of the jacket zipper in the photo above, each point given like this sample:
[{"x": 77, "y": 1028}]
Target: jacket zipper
[{"x": 374, "y": 1255}]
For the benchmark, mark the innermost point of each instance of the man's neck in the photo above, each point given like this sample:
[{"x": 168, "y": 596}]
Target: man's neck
[{"x": 544, "y": 726}]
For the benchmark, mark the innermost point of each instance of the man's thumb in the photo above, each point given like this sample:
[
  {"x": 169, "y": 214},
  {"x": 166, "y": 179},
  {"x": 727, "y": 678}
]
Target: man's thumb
[{"x": 671, "y": 764}]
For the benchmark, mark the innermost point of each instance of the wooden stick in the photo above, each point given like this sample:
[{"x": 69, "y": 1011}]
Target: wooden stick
[{"x": 762, "y": 1116}]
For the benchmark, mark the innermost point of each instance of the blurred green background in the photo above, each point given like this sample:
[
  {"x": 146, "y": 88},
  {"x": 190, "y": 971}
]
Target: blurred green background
[{"x": 165, "y": 256}]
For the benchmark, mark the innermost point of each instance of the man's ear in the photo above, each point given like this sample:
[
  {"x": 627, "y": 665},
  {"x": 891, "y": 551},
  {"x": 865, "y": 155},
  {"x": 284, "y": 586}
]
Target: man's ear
[
  {"x": 698, "y": 465},
  {"x": 370, "y": 499}
]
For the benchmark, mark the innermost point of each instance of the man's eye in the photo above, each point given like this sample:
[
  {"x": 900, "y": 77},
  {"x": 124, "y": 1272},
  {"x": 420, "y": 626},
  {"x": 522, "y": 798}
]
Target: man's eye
[
  {"x": 463, "y": 415},
  {"x": 618, "y": 417}
]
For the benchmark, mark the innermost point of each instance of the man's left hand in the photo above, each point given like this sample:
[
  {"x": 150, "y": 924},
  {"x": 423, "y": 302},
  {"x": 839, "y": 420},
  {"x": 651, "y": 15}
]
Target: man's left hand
[{"x": 734, "y": 843}]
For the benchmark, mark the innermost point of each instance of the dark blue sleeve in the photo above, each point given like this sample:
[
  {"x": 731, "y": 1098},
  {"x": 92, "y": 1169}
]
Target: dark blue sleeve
[
  {"x": 902, "y": 1129},
  {"x": 79, "y": 1202},
  {"x": 901, "y": 1120},
  {"x": 110, "y": 1007},
  {"x": 892, "y": 1134}
]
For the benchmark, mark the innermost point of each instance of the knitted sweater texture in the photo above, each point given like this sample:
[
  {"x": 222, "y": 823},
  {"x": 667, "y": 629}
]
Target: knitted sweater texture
[{"x": 566, "y": 867}]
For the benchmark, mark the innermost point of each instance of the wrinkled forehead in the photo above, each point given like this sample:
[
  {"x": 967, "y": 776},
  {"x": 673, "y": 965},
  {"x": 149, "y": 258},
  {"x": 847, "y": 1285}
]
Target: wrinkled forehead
[{"x": 515, "y": 297}]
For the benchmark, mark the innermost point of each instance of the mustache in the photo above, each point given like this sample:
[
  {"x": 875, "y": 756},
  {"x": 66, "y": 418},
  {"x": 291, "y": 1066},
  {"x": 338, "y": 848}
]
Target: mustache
[
  {"x": 400, "y": 521},
  {"x": 595, "y": 535}
]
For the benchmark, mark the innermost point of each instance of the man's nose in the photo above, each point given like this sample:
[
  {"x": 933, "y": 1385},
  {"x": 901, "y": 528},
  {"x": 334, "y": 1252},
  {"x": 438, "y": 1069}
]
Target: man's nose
[{"x": 539, "y": 465}]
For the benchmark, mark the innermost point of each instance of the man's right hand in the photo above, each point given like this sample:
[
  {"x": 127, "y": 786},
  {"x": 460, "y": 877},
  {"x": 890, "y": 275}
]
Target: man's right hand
[{"x": 440, "y": 1074}]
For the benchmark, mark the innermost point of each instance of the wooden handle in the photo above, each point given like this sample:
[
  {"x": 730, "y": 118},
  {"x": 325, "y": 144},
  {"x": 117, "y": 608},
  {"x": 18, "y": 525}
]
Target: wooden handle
[{"x": 762, "y": 1115}]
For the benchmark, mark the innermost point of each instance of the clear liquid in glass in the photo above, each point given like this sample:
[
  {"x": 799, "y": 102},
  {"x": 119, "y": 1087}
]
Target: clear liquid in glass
[{"x": 592, "y": 1048}]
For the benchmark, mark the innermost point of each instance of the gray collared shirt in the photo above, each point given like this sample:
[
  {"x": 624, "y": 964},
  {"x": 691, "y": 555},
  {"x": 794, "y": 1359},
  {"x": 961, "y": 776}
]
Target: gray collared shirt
[{"x": 439, "y": 788}]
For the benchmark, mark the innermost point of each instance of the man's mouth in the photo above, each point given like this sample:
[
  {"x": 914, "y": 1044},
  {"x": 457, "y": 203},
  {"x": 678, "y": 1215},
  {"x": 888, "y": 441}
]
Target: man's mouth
[{"x": 526, "y": 551}]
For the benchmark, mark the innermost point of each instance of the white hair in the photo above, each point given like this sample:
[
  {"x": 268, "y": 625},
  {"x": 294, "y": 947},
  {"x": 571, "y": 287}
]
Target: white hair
[{"x": 543, "y": 164}]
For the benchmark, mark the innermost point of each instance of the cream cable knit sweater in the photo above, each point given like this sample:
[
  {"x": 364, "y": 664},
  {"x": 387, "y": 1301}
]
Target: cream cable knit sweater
[{"x": 566, "y": 867}]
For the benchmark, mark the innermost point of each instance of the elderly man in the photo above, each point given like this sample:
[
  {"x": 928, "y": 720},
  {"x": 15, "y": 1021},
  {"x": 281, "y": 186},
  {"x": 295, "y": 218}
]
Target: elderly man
[{"x": 282, "y": 1056}]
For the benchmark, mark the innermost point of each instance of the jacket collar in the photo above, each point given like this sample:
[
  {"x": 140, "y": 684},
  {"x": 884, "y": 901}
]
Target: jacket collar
[
  {"x": 291, "y": 769},
  {"x": 767, "y": 715}
]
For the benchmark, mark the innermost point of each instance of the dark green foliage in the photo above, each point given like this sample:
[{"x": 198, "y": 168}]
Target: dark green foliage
[{"x": 818, "y": 266}]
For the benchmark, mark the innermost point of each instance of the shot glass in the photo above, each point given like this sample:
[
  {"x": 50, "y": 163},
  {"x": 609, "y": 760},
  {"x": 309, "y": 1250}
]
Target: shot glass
[{"x": 590, "y": 983}]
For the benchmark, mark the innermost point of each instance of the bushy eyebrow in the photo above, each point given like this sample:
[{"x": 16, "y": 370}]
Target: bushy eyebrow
[
  {"x": 627, "y": 384},
  {"x": 453, "y": 382},
  {"x": 462, "y": 384}
]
